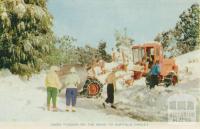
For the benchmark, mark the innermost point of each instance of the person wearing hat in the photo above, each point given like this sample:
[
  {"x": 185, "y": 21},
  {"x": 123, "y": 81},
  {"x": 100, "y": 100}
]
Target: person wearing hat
[
  {"x": 72, "y": 80},
  {"x": 52, "y": 84}
]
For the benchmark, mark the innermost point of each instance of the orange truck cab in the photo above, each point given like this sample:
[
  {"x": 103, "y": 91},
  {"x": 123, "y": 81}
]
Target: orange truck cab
[{"x": 147, "y": 54}]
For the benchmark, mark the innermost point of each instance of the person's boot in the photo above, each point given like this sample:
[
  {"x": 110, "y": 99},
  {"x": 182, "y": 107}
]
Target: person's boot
[
  {"x": 55, "y": 109},
  {"x": 112, "y": 106},
  {"x": 67, "y": 108},
  {"x": 73, "y": 109},
  {"x": 104, "y": 105}
]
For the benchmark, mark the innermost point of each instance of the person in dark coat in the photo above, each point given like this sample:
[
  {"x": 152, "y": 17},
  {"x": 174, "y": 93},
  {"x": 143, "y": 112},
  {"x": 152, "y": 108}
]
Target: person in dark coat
[
  {"x": 155, "y": 72},
  {"x": 111, "y": 86}
]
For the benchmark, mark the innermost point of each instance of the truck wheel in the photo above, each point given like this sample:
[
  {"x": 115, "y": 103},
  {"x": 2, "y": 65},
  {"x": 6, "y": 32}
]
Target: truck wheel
[
  {"x": 92, "y": 88},
  {"x": 174, "y": 80},
  {"x": 171, "y": 79}
]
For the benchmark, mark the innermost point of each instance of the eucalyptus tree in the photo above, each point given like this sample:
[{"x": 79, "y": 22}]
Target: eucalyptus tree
[{"x": 25, "y": 35}]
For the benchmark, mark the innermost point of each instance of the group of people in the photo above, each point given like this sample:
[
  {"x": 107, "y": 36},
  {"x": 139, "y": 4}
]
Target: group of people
[
  {"x": 71, "y": 81},
  {"x": 54, "y": 87}
]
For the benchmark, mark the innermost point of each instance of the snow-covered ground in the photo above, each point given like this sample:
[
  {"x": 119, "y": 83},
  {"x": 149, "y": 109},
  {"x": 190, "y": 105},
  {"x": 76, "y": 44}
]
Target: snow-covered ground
[{"x": 25, "y": 100}]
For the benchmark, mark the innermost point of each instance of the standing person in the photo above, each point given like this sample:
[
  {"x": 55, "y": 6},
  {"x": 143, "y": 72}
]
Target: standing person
[
  {"x": 111, "y": 85},
  {"x": 71, "y": 82},
  {"x": 53, "y": 84},
  {"x": 155, "y": 71}
]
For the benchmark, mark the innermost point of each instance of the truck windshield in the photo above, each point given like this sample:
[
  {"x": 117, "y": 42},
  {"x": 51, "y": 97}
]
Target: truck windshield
[{"x": 138, "y": 54}]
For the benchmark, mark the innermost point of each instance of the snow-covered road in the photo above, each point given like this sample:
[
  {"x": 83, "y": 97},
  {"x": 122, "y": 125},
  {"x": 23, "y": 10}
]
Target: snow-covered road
[{"x": 25, "y": 101}]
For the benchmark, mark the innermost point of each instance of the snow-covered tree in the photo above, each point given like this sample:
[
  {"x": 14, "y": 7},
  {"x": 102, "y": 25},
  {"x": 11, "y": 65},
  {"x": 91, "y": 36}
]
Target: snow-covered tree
[
  {"x": 187, "y": 30},
  {"x": 122, "y": 39},
  {"x": 102, "y": 51},
  {"x": 25, "y": 35},
  {"x": 169, "y": 43},
  {"x": 63, "y": 51},
  {"x": 165, "y": 38},
  {"x": 87, "y": 55},
  {"x": 185, "y": 36}
]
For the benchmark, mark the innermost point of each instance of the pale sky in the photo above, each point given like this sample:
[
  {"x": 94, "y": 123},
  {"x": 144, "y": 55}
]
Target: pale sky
[{"x": 90, "y": 21}]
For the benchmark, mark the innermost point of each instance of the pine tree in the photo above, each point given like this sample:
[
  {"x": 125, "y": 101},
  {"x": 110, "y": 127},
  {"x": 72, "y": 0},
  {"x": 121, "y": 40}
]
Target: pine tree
[{"x": 25, "y": 35}]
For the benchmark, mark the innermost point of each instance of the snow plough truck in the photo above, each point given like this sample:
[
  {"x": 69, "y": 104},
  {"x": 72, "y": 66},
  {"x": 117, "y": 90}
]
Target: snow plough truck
[{"x": 145, "y": 55}]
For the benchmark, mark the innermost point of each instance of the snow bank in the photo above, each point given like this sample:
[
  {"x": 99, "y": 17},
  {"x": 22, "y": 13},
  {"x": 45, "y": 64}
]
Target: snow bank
[
  {"x": 189, "y": 65},
  {"x": 188, "y": 57},
  {"x": 151, "y": 105}
]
